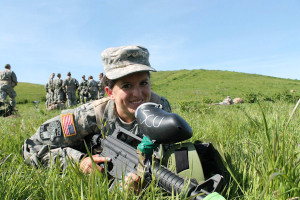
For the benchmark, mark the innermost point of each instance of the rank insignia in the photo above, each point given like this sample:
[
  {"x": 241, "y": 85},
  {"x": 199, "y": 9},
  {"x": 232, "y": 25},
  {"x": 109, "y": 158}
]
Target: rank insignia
[{"x": 68, "y": 126}]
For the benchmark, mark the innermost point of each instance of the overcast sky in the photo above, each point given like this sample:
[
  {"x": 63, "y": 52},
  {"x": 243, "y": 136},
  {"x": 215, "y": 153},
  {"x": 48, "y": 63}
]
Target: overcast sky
[{"x": 38, "y": 37}]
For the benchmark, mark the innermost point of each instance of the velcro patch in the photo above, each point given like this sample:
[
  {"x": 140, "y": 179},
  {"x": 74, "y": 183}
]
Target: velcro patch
[
  {"x": 68, "y": 126},
  {"x": 49, "y": 131}
]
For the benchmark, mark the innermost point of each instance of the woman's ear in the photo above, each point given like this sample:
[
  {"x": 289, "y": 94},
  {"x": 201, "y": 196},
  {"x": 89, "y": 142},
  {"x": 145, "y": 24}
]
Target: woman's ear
[{"x": 109, "y": 93}]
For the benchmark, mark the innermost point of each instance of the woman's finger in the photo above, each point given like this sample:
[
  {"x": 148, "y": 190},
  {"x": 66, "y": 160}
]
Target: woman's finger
[{"x": 99, "y": 159}]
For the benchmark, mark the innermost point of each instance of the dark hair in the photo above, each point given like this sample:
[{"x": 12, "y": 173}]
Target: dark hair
[
  {"x": 111, "y": 83},
  {"x": 108, "y": 82},
  {"x": 7, "y": 66}
]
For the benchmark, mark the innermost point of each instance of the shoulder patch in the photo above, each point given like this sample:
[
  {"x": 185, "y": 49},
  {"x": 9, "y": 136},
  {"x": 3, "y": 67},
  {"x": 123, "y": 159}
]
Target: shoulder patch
[
  {"x": 99, "y": 108},
  {"x": 50, "y": 131},
  {"x": 100, "y": 101},
  {"x": 68, "y": 126}
]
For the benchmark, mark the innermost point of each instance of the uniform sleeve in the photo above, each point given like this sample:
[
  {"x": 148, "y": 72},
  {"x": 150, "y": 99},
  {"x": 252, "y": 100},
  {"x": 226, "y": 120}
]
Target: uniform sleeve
[
  {"x": 47, "y": 87},
  {"x": 14, "y": 78},
  {"x": 61, "y": 138},
  {"x": 64, "y": 83}
]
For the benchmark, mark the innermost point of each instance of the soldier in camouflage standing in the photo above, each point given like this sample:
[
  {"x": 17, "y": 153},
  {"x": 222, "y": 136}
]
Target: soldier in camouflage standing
[
  {"x": 93, "y": 88},
  {"x": 70, "y": 86},
  {"x": 50, "y": 90},
  {"x": 59, "y": 95},
  {"x": 8, "y": 80},
  {"x": 83, "y": 90},
  {"x": 101, "y": 87}
]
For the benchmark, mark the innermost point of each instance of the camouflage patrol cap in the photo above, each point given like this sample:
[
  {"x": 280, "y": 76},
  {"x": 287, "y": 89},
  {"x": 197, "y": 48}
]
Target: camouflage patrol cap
[
  {"x": 83, "y": 76},
  {"x": 7, "y": 66},
  {"x": 121, "y": 61}
]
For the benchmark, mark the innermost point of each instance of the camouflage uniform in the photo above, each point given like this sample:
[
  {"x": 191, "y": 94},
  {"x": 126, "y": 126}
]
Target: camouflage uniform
[
  {"x": 101, "y": 88},
  {"x": 83, "y": 91},
  {"x": 59, "y": 94},
  {"x": 6, "y": 109},
  {"x": 227, "y": 101},
  {"x": 93, "y": 89},
  {"x": 50, "y": 91},
  {"x": 62, "y": 137},
  {"x": 8, "y": 80},
  {"x": 70, "y": 85}
]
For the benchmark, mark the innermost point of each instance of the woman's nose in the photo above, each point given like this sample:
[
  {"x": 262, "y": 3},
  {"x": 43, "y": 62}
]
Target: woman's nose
[{"x": 137, "y": 91}]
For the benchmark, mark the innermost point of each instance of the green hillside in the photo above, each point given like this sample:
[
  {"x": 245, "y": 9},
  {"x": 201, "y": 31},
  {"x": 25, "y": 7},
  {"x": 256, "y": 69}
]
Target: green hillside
[
  {"x": 198, "y": 85},
  {"x": 28, "y": 92}
]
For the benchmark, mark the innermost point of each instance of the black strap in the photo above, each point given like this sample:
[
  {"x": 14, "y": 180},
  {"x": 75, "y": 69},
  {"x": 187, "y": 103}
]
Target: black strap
[{"x": 182, "y": 159}]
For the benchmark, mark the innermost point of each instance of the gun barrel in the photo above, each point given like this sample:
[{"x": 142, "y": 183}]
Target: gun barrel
[{"x": 171, "y": 181}]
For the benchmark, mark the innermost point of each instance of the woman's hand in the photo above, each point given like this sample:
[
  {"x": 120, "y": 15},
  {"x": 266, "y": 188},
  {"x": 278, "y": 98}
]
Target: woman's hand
[
  {"x": 86, "y": 165},
  {"x": 132, "y": 182}
]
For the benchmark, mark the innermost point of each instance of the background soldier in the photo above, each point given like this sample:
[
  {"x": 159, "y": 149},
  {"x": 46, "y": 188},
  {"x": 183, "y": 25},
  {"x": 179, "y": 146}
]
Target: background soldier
[
  {"x": 50, "y": 90},
  {"x": 93, "y": 88},
  {"x": 101, "y": 86},
  {"x": 83, "y": 90},
  {"x": 59, "y": 95},
  {"x": 8, "y": 80},
  {"x": 70, "y": 86},
  {"x": 227, "y": 101}
]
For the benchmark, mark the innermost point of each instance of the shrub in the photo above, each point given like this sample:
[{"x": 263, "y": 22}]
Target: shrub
[
  {"x": 251, "y": 97},
  {"x": 194, "y": 106}
]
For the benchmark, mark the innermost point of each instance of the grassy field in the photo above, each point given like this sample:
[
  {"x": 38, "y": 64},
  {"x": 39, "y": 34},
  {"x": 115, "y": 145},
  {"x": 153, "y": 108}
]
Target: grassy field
[
  {"x": 28, "y": 92},
  {"x": 214, "y": 86},
  {"x": 260, "y": 144}
]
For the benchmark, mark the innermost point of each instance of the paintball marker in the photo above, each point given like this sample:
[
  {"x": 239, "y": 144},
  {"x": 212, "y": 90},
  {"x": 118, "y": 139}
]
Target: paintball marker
[{"x": 127, "y": 153}]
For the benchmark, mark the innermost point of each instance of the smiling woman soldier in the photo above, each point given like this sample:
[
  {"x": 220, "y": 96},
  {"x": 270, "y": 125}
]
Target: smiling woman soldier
[{"x": 127, "y": 69}]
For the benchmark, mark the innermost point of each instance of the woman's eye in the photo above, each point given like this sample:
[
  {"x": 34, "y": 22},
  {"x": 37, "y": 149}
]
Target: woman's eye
[
  {"x": 126, "y": 86},
  {"x": 144, "y": 83}
]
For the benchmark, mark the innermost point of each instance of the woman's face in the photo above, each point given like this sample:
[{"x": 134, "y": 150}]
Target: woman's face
[{"x": 129, "y": 92}]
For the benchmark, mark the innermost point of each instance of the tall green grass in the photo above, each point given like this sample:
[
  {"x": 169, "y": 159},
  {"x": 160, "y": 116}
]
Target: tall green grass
[
  {"x": 262, "y": 152},
  {"x": 260, "y": 146}
]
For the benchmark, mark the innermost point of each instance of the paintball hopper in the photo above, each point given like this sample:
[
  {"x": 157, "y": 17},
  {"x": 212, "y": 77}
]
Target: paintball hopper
[{"x": 160, "y": 126}]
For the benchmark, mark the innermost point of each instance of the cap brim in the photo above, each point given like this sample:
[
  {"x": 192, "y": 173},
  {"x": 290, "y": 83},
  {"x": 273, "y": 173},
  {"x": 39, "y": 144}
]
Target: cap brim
[{"x": 120, "y": 72}]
